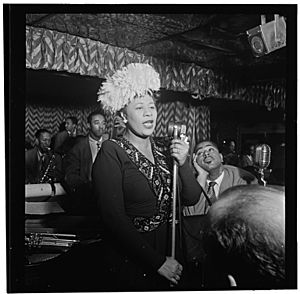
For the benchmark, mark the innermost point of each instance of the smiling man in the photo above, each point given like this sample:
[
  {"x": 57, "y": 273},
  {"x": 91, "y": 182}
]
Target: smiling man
[{"x": 214, "y": 177}]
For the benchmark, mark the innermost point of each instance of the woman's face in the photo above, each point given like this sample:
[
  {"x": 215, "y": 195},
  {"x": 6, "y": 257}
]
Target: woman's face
[{"x": 141, "y": 116}]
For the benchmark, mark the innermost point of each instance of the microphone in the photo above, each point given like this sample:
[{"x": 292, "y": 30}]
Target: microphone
[
  {"x": 177, "y": 130},
  {"x": 262, "y": 158}
]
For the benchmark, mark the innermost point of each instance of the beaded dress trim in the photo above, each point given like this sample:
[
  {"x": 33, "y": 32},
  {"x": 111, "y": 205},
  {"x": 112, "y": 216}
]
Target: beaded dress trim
[{"x": 159, "y": 178}]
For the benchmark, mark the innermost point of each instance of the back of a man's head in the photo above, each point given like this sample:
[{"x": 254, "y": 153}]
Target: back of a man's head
[{"x": 246, "y": 236}]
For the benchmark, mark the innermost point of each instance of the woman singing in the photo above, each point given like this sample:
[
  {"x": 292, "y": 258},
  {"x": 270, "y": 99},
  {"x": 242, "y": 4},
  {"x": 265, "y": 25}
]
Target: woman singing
[{"x": 132, "y": 177}]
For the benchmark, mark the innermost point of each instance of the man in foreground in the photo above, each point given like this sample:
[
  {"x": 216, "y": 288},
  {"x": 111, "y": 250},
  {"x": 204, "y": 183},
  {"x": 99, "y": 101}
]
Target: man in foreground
[{"x": 245, "y": 239}]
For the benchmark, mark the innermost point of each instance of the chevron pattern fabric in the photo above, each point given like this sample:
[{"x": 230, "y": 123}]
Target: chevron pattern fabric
[
  {"x": 197, "y": 119},
  {"x": 37, "y": 117},
  {"x": 52, "y": 50}
]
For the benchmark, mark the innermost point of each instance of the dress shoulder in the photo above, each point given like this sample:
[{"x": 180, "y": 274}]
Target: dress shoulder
[{"x": 111, "y": 146}]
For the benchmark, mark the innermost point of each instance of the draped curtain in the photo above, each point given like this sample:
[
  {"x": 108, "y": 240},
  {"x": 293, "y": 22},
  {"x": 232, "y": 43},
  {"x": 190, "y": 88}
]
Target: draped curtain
[
  {"x": 52, "y": 50},
  {"x": 50, "y": 117}
]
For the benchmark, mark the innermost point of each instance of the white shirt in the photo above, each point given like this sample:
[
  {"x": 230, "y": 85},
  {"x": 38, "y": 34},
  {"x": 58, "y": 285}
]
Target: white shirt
[
  {"x": 218, "y": 182},
  {"x": 94, "y": 147}
]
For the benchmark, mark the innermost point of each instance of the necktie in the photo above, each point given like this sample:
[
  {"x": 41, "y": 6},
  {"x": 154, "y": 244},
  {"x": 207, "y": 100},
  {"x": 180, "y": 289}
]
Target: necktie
[
  {"x": 211, "y": 195},
  {"x": 98, "y": 146},
  {"x": 41, "y": 161}
]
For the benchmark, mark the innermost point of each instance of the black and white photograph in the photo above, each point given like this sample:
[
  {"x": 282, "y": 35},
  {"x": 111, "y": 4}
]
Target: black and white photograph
[{"x": 160, "y": 145}]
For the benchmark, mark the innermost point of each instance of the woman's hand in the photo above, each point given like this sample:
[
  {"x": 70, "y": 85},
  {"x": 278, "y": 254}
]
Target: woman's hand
[
  {"x": 179, "y": 150},
  {"x": 171, "y": 270}
]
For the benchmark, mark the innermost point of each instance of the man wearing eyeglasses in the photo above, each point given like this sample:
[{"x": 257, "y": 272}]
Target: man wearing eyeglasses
[
  {"x": 214, "y": 177},
  {"x": 79, "y": 161}
]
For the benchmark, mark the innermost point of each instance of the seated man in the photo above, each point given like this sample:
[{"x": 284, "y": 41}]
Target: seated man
[
  {"x": 66, "y": 139},
  {"x": 245, "y": 239},
  {"x": 78, "y": 164},
  {"x": 42, "y": 165},
  {"x": 230, "y": 156},
  {"x": 214, "y": 177}
]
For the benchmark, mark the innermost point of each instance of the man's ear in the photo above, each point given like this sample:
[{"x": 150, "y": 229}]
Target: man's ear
[
  {"x": 232, "y": 281},
  {"x": 221, "y": 155},
  {"x": 89, "y": 125}
]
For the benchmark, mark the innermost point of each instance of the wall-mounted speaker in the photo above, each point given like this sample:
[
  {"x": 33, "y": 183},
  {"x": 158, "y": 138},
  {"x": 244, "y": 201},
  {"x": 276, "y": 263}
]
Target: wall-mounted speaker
[{"x": 267, "y": 37}]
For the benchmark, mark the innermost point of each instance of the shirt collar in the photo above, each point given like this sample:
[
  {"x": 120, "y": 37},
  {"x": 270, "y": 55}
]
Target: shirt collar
[
  {"x": 218, "y": 180},
  {"x": 92, "y": 140}
]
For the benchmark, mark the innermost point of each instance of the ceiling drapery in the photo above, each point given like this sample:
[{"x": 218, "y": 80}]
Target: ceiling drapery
[
  {"x": 47, "y": 49},
  {"x": 52, "y": 50}
]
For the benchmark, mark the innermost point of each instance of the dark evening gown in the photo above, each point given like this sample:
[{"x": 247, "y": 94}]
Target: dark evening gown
[{"x": 135, "y": 203}]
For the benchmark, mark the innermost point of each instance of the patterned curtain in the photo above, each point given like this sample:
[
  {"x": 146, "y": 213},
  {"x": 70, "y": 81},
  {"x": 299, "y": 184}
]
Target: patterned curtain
[
  {"x": 197, "y": 119},
  {"x": 52, "y": 50},
  {"x": 50, "y": 117}
]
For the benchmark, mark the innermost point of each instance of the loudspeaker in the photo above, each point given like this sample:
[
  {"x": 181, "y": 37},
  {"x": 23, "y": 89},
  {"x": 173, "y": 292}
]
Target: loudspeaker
[{"x": 267, "y": 37}]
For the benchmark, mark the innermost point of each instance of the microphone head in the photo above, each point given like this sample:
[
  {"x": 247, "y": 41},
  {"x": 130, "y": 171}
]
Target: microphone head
[
  {"x": 175, "y": 129},
  {"x": 262, "y": 156},
  {"x": 183, "y": 130}
]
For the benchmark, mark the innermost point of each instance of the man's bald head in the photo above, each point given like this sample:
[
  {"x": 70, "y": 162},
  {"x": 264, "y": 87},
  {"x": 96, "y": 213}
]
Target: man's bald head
[{"x": 246, "y": 235}]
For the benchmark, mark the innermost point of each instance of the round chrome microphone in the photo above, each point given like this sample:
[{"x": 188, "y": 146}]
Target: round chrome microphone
[
  {"x": 176, "y": 129},
  {"x": 262, "y": 156}
]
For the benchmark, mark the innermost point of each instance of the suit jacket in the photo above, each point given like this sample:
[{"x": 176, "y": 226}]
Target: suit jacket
[
  {"x": 64, "y": 143},
  {"x": 233, "y": 176},
  {"x": 78, "y": 163},
  {"x": 34, "y": 170},
  {"x": 246, "y": 161},
  {"x": 60, "y": 138}
]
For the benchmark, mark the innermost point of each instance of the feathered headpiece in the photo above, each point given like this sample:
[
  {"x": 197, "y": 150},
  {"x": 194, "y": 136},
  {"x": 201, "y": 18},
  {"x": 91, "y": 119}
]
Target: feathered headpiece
[{"x": 134, "y": 80}]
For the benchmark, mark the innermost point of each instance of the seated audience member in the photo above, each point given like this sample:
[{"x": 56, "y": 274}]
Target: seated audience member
[
  {"x": 66, "y": 139},
  {"x": 230, "y": 156},
  {"x": 42, "y": 165},
  {"x": 78, "y": 163},
  {"x": 245, "y": 239},
  {"x": 247, "y": 160},
  {"x": 214, "y": 177}
]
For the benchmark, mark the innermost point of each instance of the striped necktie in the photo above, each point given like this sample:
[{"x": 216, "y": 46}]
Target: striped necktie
[{"x": 211, "y": 195}]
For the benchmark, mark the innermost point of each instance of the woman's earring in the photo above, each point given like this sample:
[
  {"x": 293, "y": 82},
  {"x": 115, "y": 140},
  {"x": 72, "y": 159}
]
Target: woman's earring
[{"x": 124, "y": 118}]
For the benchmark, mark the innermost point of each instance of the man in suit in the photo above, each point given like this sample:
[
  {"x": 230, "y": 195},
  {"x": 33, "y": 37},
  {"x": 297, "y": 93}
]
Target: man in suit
[
  {"x": 247, "y": 160},
  {"x": 245, "y": 239},
  {"x": 66, "y": 139},
  {"x": 78, "y": 164},
  {"x": 42, "y": 165},
  {"x": 214, "y": 177}
]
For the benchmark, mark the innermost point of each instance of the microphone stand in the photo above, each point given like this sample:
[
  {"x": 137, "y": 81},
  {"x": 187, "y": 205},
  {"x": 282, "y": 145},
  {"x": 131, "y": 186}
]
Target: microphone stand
[
  {"x": 175, "y": 132},
  {"x": 175, "y": 172},
  {"x": 262, "y": 175}
]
